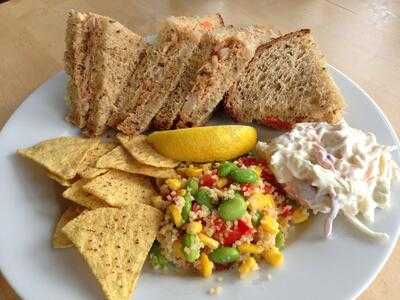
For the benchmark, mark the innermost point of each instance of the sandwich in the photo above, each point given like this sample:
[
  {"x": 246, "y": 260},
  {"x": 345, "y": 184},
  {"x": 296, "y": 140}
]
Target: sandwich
[
  {"x": 286, "y": 82},
  {"x": 166, "y": 116},
  {"x": 160, "y": 71},
  {"x": 228, "y": 50},
  {"x": 74, "y": 61},
  {"x": 100, "y": 55}
]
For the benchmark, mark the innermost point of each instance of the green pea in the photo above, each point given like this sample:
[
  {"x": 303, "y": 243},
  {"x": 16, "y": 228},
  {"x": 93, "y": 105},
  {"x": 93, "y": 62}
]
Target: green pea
[
  {"x": 233, "y": 208},
  {"x": 244, "y": 176},
  {"x": 225, "y": 255},
  {"x": 190, "y": 247},
  {"x": 226, "y": 168},
  {"x": 192, "y": 186},
  {"x": 157, "y": 259},
  {"x": 187, "y": 207},
  {"x": 280, "y": 240},
  {"x": 256, "y": 218},
  {"x": 203, "y": 197}
]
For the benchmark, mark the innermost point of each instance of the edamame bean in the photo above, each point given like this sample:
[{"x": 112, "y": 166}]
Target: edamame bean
[
  {"x": 192, "y": 186},
  {"x": 226, "y": 168},
  {"x": 157, "y": 259},
  {"x": 187, "y": 207},
  {"x": 244, "y": 176},
  {"x": 225, "y": 255},
  {"x": 203, "y": 197},
  {"x": 280, "y": 240},
  {"x": 190, "y": 247},
  {"x": 233, "y": 208}
]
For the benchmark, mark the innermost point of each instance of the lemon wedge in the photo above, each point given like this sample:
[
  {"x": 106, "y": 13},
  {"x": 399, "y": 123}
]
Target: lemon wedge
[{"x": 204, "y": 144}]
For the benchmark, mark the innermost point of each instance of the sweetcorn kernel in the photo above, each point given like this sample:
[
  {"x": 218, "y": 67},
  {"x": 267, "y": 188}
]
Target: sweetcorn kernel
[
  {"x": 221, "y": 182},
  {"x": 207, "y": 241},
  {"x": 256, "y": 169},
  {"x": 173, "y": 183},
  {"x": 206, "y": 266},
  {"x": 248, "y": 265},
  {"x": 175, "y": 213},
  {"x": 258, "y": 201},
  {"x": 193, "y": 172},
  {"x": 194, "y": 227},
  {"x": 270, "y": 224},
  {"x": 300, "y": 215},
  {"x": 250, "y": 248},
  {"x": 181, "y": 192},
  {"x": 177, "y": 248},
  {"x": 274, "y": 257}
]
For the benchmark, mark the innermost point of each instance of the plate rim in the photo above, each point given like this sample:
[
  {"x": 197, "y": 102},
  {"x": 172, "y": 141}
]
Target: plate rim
[
  {"x": 358, "y": 291},
  {"x": 397, "y": 141}
]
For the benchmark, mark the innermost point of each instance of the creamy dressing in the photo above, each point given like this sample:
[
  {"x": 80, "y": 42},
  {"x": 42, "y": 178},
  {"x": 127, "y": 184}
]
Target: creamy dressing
[{"x": 332, "y": 168}]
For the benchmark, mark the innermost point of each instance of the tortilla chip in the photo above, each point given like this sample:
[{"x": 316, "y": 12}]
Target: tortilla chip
[
  {"x": 120, "y": 189},
  {"x": 144, "y": 153},
  {"x": 115, "y": 243},
  {"x": 78, "y": 195},
  {"x": 91, "y": 172},
  {"x": 88, "y": 167},
  {"x": 60, "y": 156},
  {"x": 119, "y": 159},
  {"x": 63, "y": 182},
  {"x": 60, "y": 240}
]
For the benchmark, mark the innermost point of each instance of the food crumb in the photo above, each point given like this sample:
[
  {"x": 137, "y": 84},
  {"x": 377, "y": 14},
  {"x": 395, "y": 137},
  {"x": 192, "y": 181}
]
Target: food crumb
[
  {"x": 215, "y": 290},
  {"x": 269, "y": 276}
]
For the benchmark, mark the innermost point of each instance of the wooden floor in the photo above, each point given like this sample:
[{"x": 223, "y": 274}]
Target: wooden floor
[{"x": 361, "y": 38}]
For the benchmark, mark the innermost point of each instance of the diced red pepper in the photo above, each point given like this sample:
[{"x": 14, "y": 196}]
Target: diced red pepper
[
  {"x": 231, "y": 237},
  {"x": 244, "y": 228},
  {"x": 207, "y": 180},
  {"x": 277, "y": 123},
  {"x": 246, "y": 187},
  {"x": 286, "y": 211},
  {"x": 236, "y": 233}
]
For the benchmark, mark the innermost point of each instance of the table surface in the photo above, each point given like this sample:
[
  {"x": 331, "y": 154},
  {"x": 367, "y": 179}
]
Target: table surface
[{"x": 360, "y": 38}]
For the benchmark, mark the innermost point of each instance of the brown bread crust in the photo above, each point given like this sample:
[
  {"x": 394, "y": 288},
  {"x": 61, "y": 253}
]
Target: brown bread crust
[
  {"x": 285, "y": 83},
  {"x": 100, "y": 54},
  {"x": 76, "y": 38},
  {"x": 160, "y": 71},
  {"x": 232, "y": 49},
  {"x": 168, "y": 113},
  {"x": 114, "y": 58}
]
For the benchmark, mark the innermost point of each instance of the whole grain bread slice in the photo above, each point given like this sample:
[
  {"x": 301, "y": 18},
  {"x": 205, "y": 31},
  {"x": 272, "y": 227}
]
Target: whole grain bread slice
[
  {"x": 100, "y": 54},
  {"x": 229, "y": 50},
  {"x": 74, "y": 59},
  {"x": 166, "y": 116},
  {"x": 115, "y": 54},
  {"x": 160, "y": 71},
  {"x": 286, "y": 82}
]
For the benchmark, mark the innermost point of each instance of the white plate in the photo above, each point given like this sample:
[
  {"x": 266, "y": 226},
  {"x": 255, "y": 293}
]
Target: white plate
[{"x": 315, "y": 268}]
